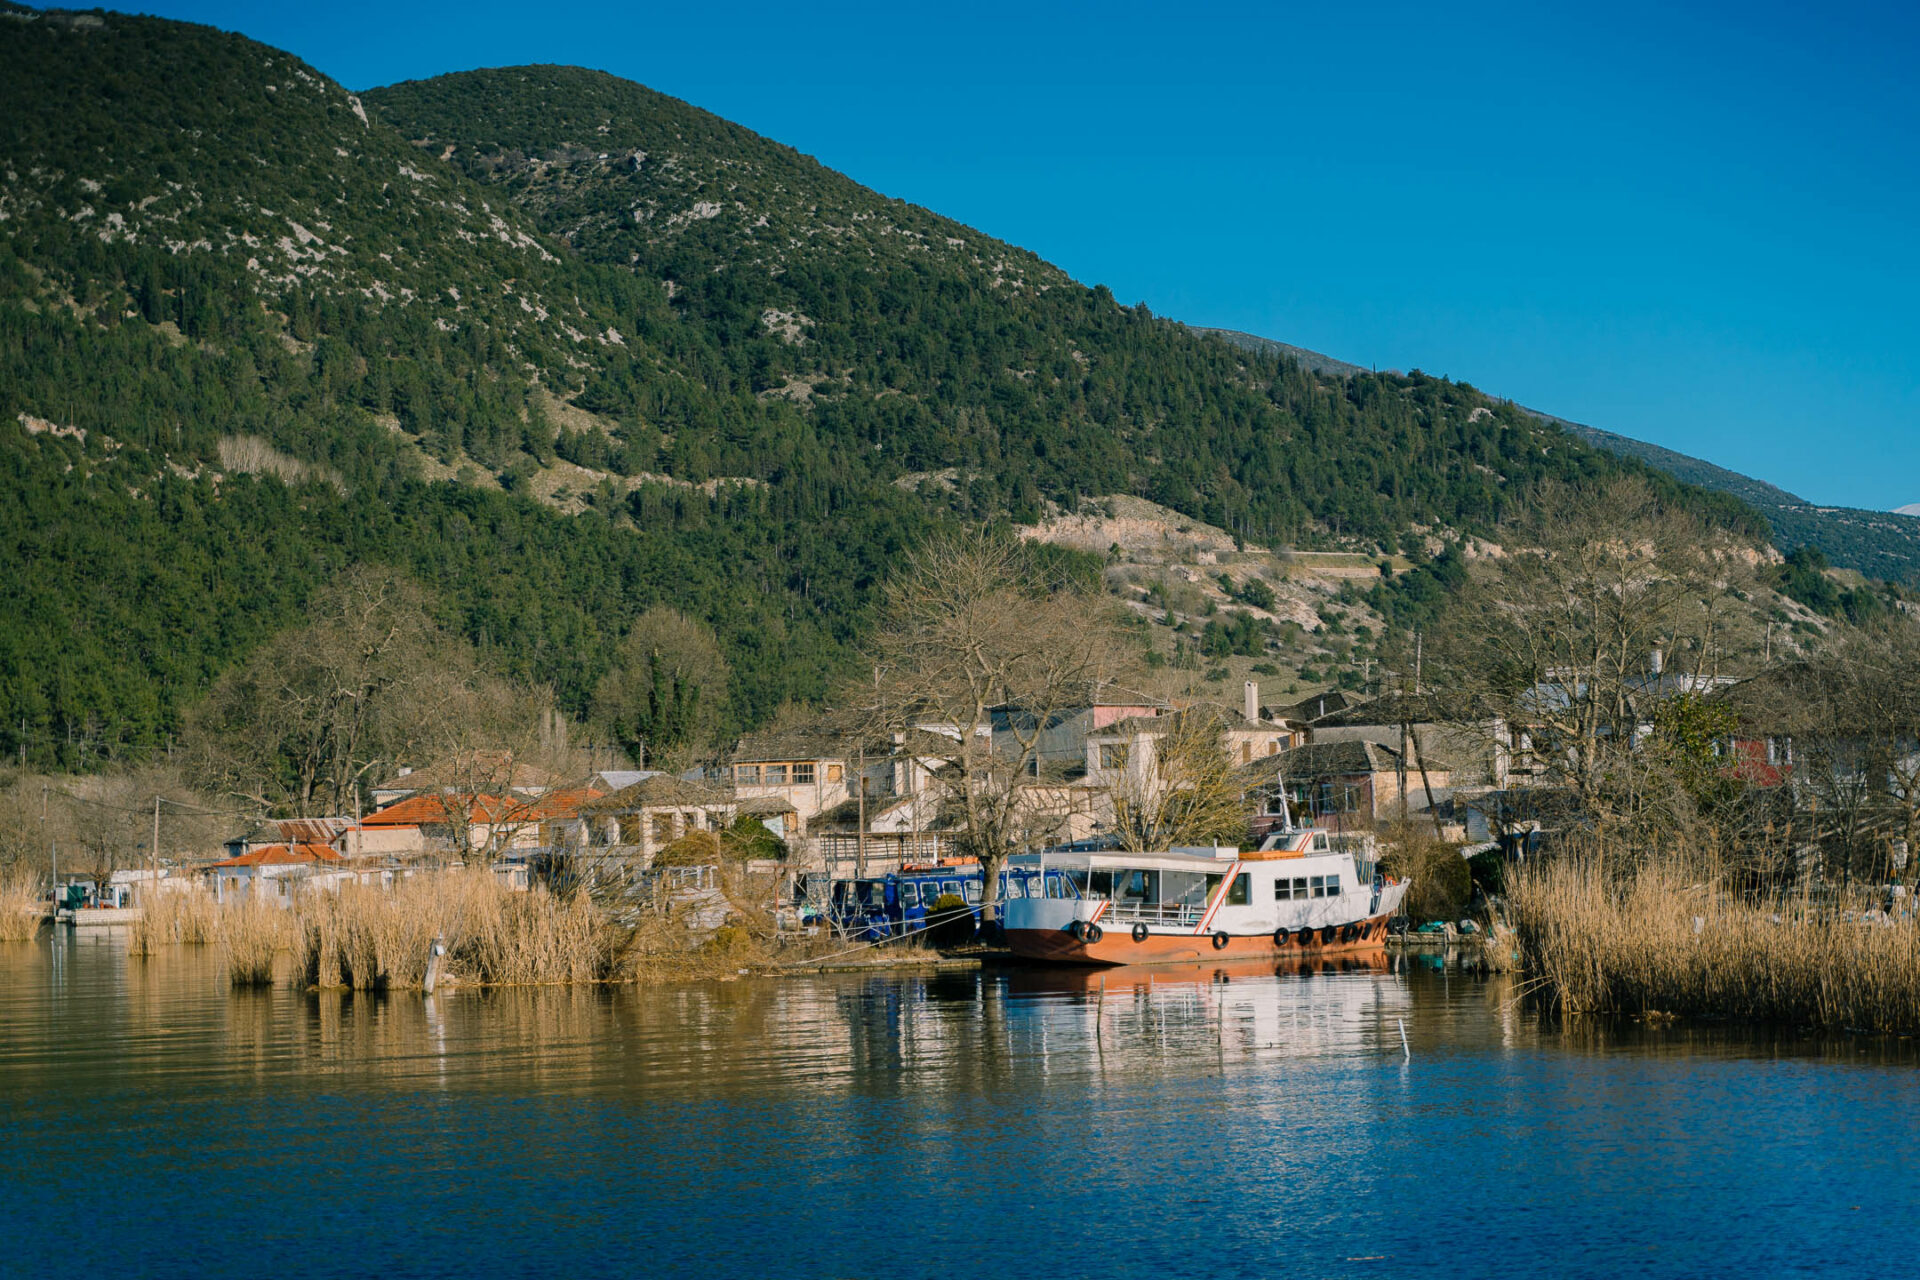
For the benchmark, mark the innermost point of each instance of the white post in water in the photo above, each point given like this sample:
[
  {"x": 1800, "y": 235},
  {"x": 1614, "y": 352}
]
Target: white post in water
[
  {"x": 1405, "y": 1051},
  {"x": 434, "y": 954}
]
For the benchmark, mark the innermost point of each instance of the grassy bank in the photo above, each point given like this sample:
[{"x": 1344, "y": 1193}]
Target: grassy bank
[
  {"x": 365, "y": 938},
  {"x": 1666, "y": 939}
]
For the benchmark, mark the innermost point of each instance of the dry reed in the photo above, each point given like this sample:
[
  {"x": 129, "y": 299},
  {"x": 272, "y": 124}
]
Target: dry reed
[
  {"x": 174, "y": 915},
  {"x": 367, "y": 938},
  {"x": 22, "y": 906},
  {"x": 253, "y": 931},
  {"x": 1665, "y": 940}
]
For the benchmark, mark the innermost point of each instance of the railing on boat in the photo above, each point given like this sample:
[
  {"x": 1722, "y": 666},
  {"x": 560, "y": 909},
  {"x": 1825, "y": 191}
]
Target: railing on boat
[{"x": 1173, "y": 913}]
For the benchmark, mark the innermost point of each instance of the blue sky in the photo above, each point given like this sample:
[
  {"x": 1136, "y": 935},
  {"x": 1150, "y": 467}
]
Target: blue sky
[{"x": 1697, "y": 225}]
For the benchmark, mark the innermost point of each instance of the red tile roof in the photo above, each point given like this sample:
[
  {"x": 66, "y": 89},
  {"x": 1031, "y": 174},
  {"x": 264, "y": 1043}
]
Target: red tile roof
[
  {"x": 275, "y": 855},
  {"x": 430, "y": 809}
]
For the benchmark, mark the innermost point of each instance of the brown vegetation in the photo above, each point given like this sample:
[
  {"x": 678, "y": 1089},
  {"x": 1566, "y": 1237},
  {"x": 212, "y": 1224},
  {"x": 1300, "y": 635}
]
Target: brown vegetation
[
  {"x": 22, "y": 904},
  {"x": 176, "y": 915},
  {"x": 1666, "y": 938}
]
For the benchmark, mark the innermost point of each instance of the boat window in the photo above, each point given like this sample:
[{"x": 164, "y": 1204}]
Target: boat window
[
  {"x": 1100, "y": 883},
  {"x": 1139, "y": 886},
  {"x": 909, "y": 893},
  {"x": 1075, "y": 880},
  {"x": 949, "y": 887},
  {"x": 1240, "y": 892},
  {"x": 1320, "y": 844},
  {"x": 1319, "y": 884},
  {"x": 1333, "y": 886},
  {"x": 1016, "y": 887},
  {"x": 973, "y": 891},
  {"x": 1053, "y": 887},
  {"x": 1186, "y": 888}
]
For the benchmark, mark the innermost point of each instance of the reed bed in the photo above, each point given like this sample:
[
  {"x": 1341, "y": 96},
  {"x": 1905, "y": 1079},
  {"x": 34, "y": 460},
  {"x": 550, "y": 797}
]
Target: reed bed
[
  {"x": 371, "y": 939},
  {"x": 1666, "y": 940},
  {"x": 253, "y": 933},
  {"x": 174, "y": 915},
  {"x": 22, "y": 906}
]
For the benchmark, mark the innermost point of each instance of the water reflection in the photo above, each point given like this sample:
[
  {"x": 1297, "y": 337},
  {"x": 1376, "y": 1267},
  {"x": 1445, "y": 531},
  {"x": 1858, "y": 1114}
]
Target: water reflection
[{"x": 781, "y": 1127}]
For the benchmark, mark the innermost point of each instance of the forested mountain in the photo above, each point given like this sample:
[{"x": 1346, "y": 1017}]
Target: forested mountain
[
  {"x": 564, "y": 348},
  {"x": 1879, "y": 544}
]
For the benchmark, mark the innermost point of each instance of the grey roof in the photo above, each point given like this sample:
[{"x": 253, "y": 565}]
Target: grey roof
[
  {"x": 1322, "y": 760},
  {"x": 621, "y": 779},
  {"x": 660, "y": 790}
]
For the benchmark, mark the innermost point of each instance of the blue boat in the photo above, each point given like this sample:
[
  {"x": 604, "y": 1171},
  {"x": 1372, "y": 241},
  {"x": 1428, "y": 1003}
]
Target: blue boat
[{"x": 894, "y": 906}]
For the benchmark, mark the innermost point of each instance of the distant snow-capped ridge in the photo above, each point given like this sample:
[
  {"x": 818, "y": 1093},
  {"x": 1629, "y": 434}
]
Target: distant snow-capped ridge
[{"x": 1911, "y": 509}]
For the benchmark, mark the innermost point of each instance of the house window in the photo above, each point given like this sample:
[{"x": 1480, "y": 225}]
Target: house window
[
  {"x": 1246, "y": 753},
  {"x": 663, "y": 826},
  {"x": 774, "y": 775},
  {"x": 835, "y": 773},
  {"x": 803, "y": 774},
  {"x": 747, "y": 773},
  {"x": 1113, "y": 755},
  {"x": 1273, "y": 746}
]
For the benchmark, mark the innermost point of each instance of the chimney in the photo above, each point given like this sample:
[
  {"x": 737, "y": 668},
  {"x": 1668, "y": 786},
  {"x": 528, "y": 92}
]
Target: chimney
[
  {"x": 1657, "y": 661},
  {"x": 1253, "y": 700}
]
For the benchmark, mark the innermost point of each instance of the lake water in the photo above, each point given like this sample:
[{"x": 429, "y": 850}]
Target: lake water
[{"x": 1211, "y": 1122}]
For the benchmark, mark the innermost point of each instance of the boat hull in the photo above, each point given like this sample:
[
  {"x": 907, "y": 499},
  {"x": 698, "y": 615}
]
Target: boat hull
[{"x": 1117, "y": 946}]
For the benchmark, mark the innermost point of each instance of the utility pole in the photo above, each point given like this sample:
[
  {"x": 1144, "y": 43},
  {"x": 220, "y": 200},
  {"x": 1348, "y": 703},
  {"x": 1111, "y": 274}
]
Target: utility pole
[
  {"x": 860, "y": 840},
  {"x": 153, "y": 851}
]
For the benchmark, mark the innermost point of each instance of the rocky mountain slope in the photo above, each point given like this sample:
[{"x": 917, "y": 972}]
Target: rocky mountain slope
[
  {"x": 1884, "y": 545},
  {"x": 564, "y": 348}
]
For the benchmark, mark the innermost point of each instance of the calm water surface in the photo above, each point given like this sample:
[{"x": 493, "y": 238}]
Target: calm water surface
[{"x": 1210, "y": 1122}]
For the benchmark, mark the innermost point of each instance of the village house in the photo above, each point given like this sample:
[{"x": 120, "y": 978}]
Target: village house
[
  {"x": 273, "y": 871},
  {"x": 1475, "y": 755},
  {"x": 452, "y": 825},
  {"x": 1063, "y": 739},
  {"x": 1351, "y": 785},
  {"x": 1126, "y": 753},
  {"x": 651, "y": 814},
  {"x": 811, "y": 770},
  {"x": 288, "y": 831}
]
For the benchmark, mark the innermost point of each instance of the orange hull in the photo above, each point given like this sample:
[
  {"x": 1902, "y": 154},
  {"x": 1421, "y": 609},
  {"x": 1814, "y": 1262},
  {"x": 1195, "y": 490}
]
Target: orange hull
[
  {"x": 1087, "y": 979},
  {"x": 1117, "y": 946}
]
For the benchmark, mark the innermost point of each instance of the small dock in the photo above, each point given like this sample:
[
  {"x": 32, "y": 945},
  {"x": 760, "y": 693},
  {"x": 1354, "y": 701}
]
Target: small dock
[{"x": 98, "y": 917}]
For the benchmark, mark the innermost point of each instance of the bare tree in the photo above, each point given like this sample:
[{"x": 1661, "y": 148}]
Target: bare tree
[
  {"x": 367, "y": 681},
  {"x": 1853, "y": 715},
  {"x": 1187, "y": 792},
  {"x": 980, "y": 648},
  {"x": 1556, "y": 645}
]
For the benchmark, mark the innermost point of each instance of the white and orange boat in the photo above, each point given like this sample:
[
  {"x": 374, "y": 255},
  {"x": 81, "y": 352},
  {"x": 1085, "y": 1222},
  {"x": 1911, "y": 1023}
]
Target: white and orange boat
[{"x": 1296, "y": 895}]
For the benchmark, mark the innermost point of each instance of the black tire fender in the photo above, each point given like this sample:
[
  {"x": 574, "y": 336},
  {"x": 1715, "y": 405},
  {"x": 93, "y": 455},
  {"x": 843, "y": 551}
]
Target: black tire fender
[
  {"x": 1093, "y": 932},
  {"x": 1220, "y": 941},
  {"x": 1140, "y": 931},
  {"x": 1280, "y": 936}
]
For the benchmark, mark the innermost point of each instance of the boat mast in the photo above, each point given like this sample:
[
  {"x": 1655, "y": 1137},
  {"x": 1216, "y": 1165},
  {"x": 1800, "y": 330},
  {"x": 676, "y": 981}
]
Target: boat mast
[{"x": 1286, "y": 811}]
